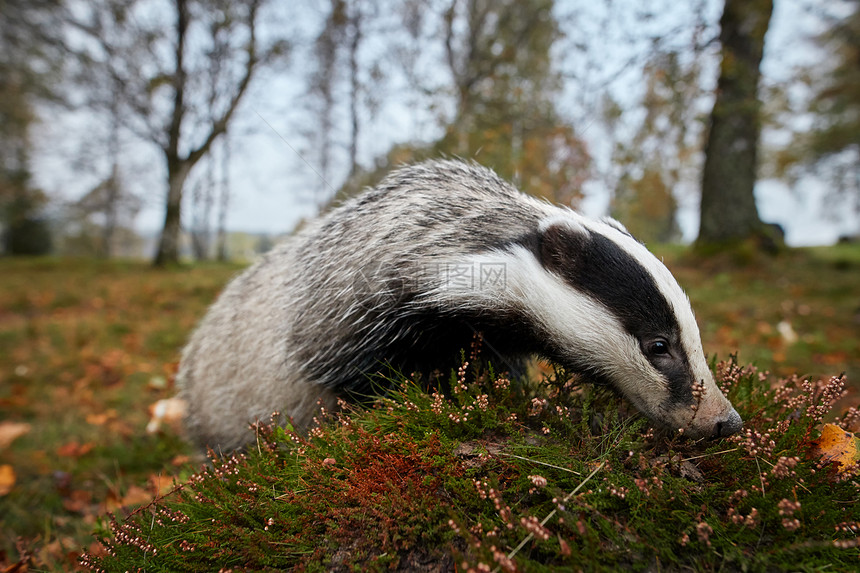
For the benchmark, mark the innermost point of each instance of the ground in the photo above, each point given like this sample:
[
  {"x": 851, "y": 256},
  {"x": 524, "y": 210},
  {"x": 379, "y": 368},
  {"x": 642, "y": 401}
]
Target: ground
[{"x": 88, "y": 347}]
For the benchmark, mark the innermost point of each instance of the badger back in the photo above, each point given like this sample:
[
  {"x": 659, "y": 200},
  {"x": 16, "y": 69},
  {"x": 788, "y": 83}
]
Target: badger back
[{"x": 369, "y": 267}]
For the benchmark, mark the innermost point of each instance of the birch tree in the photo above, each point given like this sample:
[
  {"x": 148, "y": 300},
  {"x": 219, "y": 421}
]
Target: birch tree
[{"x": 160, "y": 57}]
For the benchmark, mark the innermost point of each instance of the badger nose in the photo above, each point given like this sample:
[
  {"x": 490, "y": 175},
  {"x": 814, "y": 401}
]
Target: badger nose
[{"x": 729, "y": 426}]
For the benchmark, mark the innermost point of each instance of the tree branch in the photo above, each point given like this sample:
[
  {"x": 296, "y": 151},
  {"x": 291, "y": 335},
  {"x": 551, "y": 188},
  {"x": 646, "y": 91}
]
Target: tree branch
[
  {"x": 219, "y": 125},
  {"x": 174, "y": 130}
]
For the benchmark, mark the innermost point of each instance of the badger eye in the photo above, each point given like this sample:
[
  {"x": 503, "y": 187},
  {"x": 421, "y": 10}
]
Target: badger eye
[{"x": 658, "y": 347}]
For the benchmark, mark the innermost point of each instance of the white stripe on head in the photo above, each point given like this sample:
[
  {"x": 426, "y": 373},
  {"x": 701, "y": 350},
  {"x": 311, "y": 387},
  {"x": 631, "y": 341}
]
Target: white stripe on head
[
  {"x": 583, "y": 329},
  {"x": 713, "y": 408},
  {"x": 672, "y": 292}
]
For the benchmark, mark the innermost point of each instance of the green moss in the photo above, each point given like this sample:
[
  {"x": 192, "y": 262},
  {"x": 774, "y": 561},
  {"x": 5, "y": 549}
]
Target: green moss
[{"x": 491, "y": 476}]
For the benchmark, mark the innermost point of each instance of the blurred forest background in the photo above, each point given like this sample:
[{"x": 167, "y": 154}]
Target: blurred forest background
[{"x": 153, "y": 128}]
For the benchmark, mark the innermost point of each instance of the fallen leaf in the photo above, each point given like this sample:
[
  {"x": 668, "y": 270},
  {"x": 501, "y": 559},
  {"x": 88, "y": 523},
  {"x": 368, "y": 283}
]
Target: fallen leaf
[
  {"x": 78, "y": 501},
  {"x": 161, "y": 484},
  {"x": 837, "y": 445},
  {"x": 58, "y": 550},
  {"x": 96, "y": 549},
  {"x": 135, "y": 495},
  {"x": 832, "y": 358},
  {"x": 7, "y": 479},
  {"x": 168, "y": 411},
  {"x": 103, "y": 418},
  {"x": 53, "y": 549},
  {"x": 10, "y": 431},
  {"x": 74, "y": 449},
  {"x": 19, "y": 567},
  {"x": 112, "y": 501}
]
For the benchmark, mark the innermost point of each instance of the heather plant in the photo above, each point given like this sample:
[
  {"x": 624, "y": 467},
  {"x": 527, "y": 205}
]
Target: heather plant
[{"x": 512, "y": 474}]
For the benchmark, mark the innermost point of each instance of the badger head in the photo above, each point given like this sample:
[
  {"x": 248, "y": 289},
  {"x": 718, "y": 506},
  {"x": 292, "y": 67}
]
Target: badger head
[{"x": 601, "y": 304}]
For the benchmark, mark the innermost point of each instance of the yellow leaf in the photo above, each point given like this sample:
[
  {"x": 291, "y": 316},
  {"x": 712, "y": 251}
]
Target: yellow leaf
[
  {"x": 7, "y": 479},
  {"x": 837, "y": 445}
]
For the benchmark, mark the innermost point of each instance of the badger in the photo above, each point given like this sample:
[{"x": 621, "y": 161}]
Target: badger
[{"x": 408, "y": 272}]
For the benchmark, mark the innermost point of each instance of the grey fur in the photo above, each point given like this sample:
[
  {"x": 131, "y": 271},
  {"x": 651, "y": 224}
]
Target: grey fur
[{"x": 366, "y": 283}]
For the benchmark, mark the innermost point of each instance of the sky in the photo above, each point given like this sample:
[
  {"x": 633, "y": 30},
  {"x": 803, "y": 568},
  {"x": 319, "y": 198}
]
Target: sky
[{"x": 275, "y": 182}]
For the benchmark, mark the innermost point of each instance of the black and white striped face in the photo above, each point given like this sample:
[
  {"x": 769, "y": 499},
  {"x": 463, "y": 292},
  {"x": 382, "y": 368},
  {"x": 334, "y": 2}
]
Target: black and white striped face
[
  {"x": 646, "y": 340},
  {"x": 607, "y": 307}
]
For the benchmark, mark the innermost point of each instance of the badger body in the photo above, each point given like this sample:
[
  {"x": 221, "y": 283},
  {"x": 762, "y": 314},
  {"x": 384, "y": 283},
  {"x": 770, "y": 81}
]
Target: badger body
[{"x": 406, "y": 274}]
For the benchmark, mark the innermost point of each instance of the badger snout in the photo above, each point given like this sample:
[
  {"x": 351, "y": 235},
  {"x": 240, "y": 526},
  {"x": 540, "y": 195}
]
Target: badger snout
[
  {"x": 715, "y": 416},
  {"x": 731, "y": 425}
]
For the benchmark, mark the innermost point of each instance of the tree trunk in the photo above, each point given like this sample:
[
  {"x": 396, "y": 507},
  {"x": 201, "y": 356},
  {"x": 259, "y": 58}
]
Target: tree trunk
[
  {"x": 223, "y": 255},
  {"x": 177, "y": 169},
  {"x": 168, "y": 245},
  {"x": 112, "y": 193},
  {"x": 354, "y": 44},
  {"x": 728, "y": 210}
]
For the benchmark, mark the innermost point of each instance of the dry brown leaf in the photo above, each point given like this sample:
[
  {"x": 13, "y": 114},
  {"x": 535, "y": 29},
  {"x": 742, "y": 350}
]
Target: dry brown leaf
[
  {"x": 161, "y": 483},
  {"x": 10, "y": 431},
  {"x": 78, "y": 501},
  {"x": 97, "y": 549},
  {"x": 837, "y": 445},
  {"x": 135, "y": 495},
  {"x": 103, "y": 418},
  {"x": 19, "y": 567},
  {"x": 112, "y": 501},
  {"x": 74, "y": 449},
  {"x": 7, "y": 479}
]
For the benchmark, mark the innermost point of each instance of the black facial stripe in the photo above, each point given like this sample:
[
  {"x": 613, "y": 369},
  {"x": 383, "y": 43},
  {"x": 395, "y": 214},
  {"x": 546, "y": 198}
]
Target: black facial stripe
[{"x": 598, "y": 267}]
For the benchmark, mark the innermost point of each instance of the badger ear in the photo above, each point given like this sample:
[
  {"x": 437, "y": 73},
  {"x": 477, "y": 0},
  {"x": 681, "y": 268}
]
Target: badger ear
[{"x": 562, "y": 242}]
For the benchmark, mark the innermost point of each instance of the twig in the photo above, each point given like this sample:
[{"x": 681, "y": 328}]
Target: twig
[
  {"x": 706, "y": 455},
  {"x": 530, "y": 536},
  {"x": 541, "y": 463},
  {"x": 327, "y": 184},
  {"x": 760, "y": 477},
  {"x": 579, "y": 487}
]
